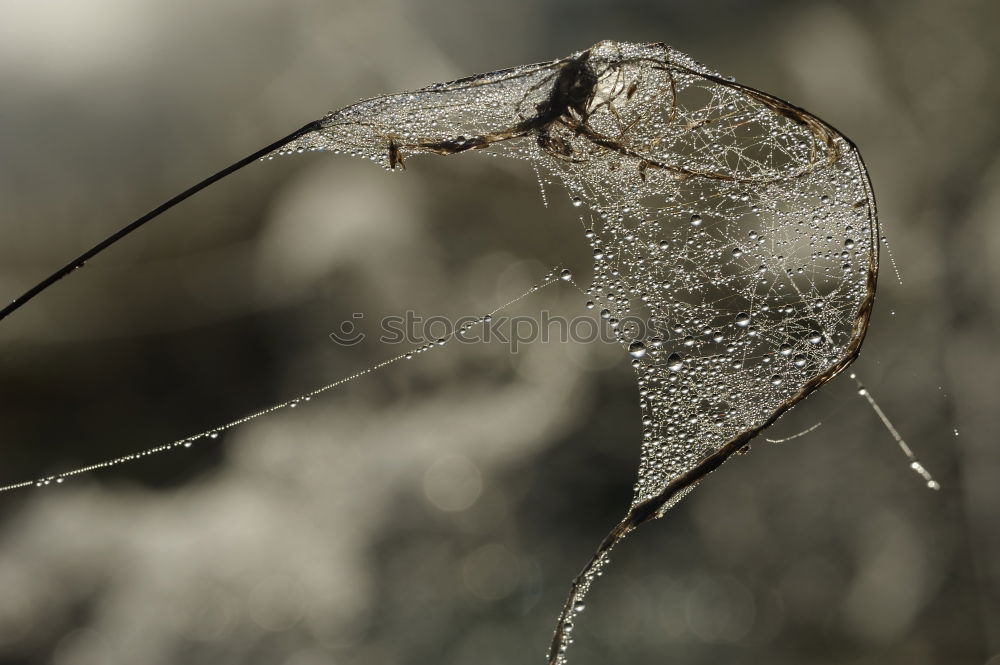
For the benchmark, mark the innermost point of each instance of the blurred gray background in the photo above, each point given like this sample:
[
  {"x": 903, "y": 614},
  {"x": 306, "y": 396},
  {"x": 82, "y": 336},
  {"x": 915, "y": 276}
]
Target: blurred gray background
[{"x": 436, "y": 511}]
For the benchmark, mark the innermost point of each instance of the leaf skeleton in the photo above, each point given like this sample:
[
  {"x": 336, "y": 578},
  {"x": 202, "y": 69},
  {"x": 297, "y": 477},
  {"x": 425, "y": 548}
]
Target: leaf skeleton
[{"x": 741, "y": 226}]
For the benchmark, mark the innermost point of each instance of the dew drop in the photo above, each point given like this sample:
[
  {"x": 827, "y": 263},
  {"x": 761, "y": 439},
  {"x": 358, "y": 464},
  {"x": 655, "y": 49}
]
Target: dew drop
[
  {"x": 637, "y": 349},
  {"x": 674, "y": 362}
]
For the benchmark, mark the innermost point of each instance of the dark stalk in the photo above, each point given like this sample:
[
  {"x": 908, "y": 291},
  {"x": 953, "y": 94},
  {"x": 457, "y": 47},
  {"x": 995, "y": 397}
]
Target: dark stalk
[{"x": 78, "y": 262}]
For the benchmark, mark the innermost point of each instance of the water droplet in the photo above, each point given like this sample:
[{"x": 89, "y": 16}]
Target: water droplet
[
  {"x": 695, "y": 220},
  {"x": 742, "y": 319},
  {"x": 577, "y": 202},
  {"x": 637, "y": 349},
  {"x": 674, "y": 362},
  {"x": 776, "y": 379},
  {"x": 566, "y": 275}
]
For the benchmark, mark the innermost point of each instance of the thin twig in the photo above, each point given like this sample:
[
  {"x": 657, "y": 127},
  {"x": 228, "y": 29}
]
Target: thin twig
[{"x": 78, "y": 262}]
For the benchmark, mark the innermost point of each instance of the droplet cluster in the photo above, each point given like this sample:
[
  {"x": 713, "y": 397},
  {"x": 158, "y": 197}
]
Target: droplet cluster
[
  {"x": 733, "y": 240},
  {"x": 739, "y": 231},
  {"x": 733, "y": 235}
]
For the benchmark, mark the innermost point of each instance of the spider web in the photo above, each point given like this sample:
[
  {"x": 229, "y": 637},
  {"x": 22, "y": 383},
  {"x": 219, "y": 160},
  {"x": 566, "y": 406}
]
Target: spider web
[
  {"x": 734, "y": 239},
  {"x": 734, "y": 236}
]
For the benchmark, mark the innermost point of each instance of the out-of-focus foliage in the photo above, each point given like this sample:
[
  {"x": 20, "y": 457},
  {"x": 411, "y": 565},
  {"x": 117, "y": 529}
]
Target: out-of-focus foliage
[{"x": 408, "y": 519}]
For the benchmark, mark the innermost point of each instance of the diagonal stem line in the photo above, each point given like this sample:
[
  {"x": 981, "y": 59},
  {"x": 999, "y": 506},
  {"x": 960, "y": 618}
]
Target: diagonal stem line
[{"x": 78, "y": 262}]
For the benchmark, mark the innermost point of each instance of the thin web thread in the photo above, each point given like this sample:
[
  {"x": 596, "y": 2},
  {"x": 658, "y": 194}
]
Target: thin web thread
[
  {"x": 795, "y": 436},
  {"x": 892, "y": 259},
  {"x": 214, "y": 432},
  {"x": 863, "y": 391},
  {"x": 914, "y": 462}
]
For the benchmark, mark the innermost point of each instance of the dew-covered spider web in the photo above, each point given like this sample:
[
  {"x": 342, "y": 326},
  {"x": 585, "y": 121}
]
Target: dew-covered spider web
[
  {"x": 739, "y": 228},
  {"x": 734, "y": 237}
]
